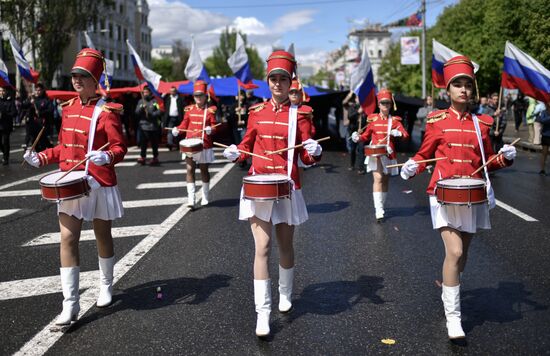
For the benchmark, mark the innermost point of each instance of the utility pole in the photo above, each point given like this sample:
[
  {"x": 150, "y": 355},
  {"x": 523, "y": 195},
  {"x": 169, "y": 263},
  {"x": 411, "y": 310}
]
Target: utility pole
[{"x": 423, "y": 10}]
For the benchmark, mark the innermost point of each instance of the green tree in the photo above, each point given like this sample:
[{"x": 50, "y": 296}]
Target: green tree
[
  {"x": 172, "y": 67},
  {"x": 49, "y": 26},
  {"x": 216, "y": 64}
]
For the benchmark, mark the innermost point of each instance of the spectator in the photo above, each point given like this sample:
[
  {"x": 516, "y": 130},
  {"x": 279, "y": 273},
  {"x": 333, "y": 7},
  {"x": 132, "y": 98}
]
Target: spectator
[
  {"x": 148, "y": 113},
  {"x": 537, "y": 126},
  {"x": 519, "y": 110},
  {"x": 543, "y": 118},
  {"x": 40, "y": 110},
  {"x": 423, "y": 112},
  {"x": 173, "y": 115},
  {"x": 499, "y": 124},
  {"x": 482, "y": 105},
  {"x": 530, "y": 118},
  {"x": 7, "y": 114},
  {"x": 356, "y": 121},
  {"x": 18, "y": 104}
]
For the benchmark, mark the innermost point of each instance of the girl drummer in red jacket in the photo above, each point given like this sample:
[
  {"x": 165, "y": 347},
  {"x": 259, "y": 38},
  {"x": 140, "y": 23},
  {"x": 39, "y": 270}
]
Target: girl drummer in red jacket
[
  {"x": 382, "y": 129},
  {"x": 461, "y": 140},
  {"x": 272, "y": 126},
  {"x": 88, "y": 123}
]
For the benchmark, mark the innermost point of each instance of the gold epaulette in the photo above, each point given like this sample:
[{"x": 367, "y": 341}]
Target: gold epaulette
[
  {"x": 397, "y": 118},
  {"x": 257, "y": 107},
  {"x": 212, "y": 109},
  {"x": 68, "y": 102},
  {"x": 305, "y": 110},
  {"x": 372, "y": 117},
  {"x": 188, "y": 108},
  {"x": 486, "y": 120},
  {"x": 113, "y": 107},
  {"x": 436, "y": 116}
]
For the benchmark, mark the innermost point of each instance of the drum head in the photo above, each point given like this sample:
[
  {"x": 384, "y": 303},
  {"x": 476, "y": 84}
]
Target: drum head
[
  {"x": 461, "y": 182},
  {"x": 190, "y": 142},
  {"x": 266, "y": 178},
  {"x": 376, "y": 146},
  {"x": 52, "y": 178}
]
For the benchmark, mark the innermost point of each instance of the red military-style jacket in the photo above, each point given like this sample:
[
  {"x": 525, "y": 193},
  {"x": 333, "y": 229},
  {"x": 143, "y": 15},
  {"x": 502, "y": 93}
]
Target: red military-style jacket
[
  {"x": 193, "y": 120},
  {"x": 377, "y": 131},
  {"x": 452, "y": 135},
  {"x": 307, "y": 111},
  {"x": 73, "y": 139},
  {"x": 267, "y": 130}
]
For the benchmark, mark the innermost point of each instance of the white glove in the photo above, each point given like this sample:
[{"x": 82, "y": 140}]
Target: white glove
[
  {"x": 92, "y": 182},
  {"x": 396, "y": 133},
  {"x": 355, "y": 136},
  {"x": 32, "y": 158},
  {"x": 208, "y": 130},
  {"x": 409, "y": 169},
  {"x": 99, "y": 158},
  {"x": 175, "y": 131},
  {"x": 389, "y": 149},
  {"x": 508, "y": 151},
  {"x": 231, "y": 153},
  {"x": 312, "y": 147}
]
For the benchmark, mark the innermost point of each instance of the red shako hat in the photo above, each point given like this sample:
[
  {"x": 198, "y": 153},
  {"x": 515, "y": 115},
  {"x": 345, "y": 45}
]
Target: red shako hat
[
  {"x": 89, "y": 62},
  {"x": 384, "y": 94},
  {"x": 459, "y": 66},
  {"x": 199, "y": 87},
  {"x": 281, "y": 62}
]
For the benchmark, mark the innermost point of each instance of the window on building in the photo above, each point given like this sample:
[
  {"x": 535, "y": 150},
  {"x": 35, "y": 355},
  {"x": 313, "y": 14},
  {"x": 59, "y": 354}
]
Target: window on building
[
  {"x": 379, "y": 53},
  {"x": 111, "y": 30},
  {"x": 125, "y": 35},
  {"x": 370, "y": 53},
  {"x": 119, "y": 33},
  {"x": 118, "y": 61},
  {"x": 125, "y": 63},
  {"x": 101, "y": 26},
  {"x": 111, "y": 55}
]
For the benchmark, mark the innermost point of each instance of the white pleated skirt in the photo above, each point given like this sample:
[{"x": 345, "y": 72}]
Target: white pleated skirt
[
  {"x": 204, "y": 156},
  {"x": 460, "y": 217},
  {"x": 372, "y": 164},
  {"x": 291, "y": 211},
  {"x": 102, "y": 203}
]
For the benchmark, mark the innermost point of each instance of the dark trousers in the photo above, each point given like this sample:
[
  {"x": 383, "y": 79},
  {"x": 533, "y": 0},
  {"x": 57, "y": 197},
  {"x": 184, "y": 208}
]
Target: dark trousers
[
  {"x": 146, "y": 137},
  {"x": 171, "y": 123},
  {"x": 356, "y": 152},
  {"x": 497, "y": 142},
  {"x": 5, "y": 144}
]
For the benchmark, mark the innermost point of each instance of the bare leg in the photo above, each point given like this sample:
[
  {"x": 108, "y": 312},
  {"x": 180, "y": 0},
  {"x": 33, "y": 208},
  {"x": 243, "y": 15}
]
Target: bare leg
[
  {"x": 466, "y": 240},
  {"x": 191, "y": 166},
  {"x": 456, "y": 243},
  {"x": 70, "y": 235},
  {"x": 102, "y": 231},
  {"x": 285, "y": 237},
  {"x": 261, "y": 230},
  {"x": 377, "y": 177}
]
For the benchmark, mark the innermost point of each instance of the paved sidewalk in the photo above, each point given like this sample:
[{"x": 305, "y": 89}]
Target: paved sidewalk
[{"x": 511, "y": 134}]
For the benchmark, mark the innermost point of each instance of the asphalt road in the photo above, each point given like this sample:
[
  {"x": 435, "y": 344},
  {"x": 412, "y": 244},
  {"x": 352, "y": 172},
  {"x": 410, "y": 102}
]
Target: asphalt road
[{"x": 357, "y": 281}]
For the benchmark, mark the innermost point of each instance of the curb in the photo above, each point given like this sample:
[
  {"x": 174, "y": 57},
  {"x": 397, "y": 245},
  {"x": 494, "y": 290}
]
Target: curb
[{"x": 527, "y": 146}]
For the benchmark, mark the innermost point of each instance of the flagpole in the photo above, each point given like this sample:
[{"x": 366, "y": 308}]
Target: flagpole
[
  {"x": 423, "y": 9},
  {"x": 239, "y": 121}
]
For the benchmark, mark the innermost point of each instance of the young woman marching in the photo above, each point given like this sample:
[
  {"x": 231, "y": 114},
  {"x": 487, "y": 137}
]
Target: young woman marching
[
  {"x": 88, "y": 123},
  {"x": 275, "y": 125},
  {"x": 461, "y": 140},
  {"x": 382, "y": 129}
]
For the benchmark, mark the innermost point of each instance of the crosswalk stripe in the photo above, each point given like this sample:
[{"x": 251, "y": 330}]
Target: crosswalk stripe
[
  {"x": 19, "y": 193},
  {"x": 153, "y": 202},
  {"x": 87, "y": 235},
  {"x": 183, "y": 171},
  {"x": 126, "y": 164},
  {"x": 7, "y": 212},
  {"x": 22, "y": 181},
  {"x": 164, "y": 185},
  {"x": 149, "y": 150}
]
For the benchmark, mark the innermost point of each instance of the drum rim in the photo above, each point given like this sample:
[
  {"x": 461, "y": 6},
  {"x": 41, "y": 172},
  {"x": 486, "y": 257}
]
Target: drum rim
[
  {"x": 199, "y": 143},
  {"x": 376, "y": 146},
  {"x": 265, "y": 182},
  {"x": 482, "y": 183},
  {"x": 247, "y": 178},
  {"x": 62, "y": 184}
]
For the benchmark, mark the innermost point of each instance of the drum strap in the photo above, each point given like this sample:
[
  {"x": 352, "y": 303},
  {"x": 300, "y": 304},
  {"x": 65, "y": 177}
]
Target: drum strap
[
  {"x": 389, "y": 130},
  {"x": 204, "y": 120},
  {"x": 490, "y": 192},
  {"x": 292, "y": 123},
  {"x": 93, "y": 125}
]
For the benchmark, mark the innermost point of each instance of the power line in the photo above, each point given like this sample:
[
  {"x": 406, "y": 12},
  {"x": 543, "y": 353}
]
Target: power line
[{"x": 252, "y": 5}]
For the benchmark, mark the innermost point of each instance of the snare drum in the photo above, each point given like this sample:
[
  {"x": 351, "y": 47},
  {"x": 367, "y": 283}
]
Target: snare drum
[
  {"x": 266, "y": 187},
  {"x": 461, "y": 191},
  {"x": 74, "y": 185},
  {"x": 375, "y": 150},
  {"x": 191, "y": 145}
]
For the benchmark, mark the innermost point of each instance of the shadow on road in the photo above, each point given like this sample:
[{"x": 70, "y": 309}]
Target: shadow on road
[
  {"x": 504, "y": 304},
  {"x": 324, "y": 208},
  {"x": 407, "y": 211},
  {"x": 223, "y": 203},
  {"x": 144, "y": 296}
]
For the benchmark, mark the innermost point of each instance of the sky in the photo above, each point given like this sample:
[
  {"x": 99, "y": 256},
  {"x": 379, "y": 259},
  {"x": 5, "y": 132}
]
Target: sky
[{"x": 316, "y": 27}]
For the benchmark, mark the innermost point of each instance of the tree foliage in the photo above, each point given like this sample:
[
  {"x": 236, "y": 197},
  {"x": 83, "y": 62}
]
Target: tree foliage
[
  {"x": 478, "y": 29},
  {"x": 216, "y": 64},
  {"x": 49, "y": 26},
  {"x": 172, "y": 67}
]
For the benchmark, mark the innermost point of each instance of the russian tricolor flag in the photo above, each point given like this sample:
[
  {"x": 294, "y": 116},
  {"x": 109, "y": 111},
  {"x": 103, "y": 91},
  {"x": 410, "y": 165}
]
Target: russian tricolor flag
[
  {"x": 4, "y": 78},
  {"x": 362, "y": 84},
  {"x": 195, "y": 69},
  {"x": 24, "y": 67},
  {"x": 238, "y": 62},
  {"x": 109, "y": 65},
  {"x": 442, "y": 54},
  {"x": 143, "y": 73},
  {"x": 523, "y": 72}
]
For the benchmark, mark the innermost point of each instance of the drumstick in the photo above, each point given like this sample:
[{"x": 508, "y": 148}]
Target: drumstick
[
  {"x": 493, "y": 158},
  {"x": 297, "y": 146},
  {"x": 422, "y": 161},
  {"x": 35, "y": 141},
  {"x": 241, "y": 151},
  {"x": 196, "y": 130},
  {"x": 383, "y": 139},
  {"x": 79, "y": 163}
]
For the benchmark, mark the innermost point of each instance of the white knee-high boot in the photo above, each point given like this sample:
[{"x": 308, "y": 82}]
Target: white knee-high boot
[
  {"x": 378, "y": 204},
  {"x": 106, "y": 266},
  {"x": 262, "y": 300},
  {"x": 451, "y": 304},
  {"x": 70, "y": 278},
  {"x": 191, "y": 194},
  {"x": 205, "y": 193},
  {"x": 286, "y": 281}
]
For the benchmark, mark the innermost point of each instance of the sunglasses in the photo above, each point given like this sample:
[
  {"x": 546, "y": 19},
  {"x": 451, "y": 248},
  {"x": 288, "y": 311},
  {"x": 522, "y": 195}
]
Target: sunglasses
[
  {"x": 293, "y": 92},
  {"x": 198, "y": 95},
  {"x": 385, "y": 103}
]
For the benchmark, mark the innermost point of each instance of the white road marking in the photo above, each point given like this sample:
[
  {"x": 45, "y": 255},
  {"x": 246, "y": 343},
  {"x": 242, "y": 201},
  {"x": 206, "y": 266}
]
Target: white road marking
[
  {"x": 216, "y": 161},
  {"x": 165, "y": 185},
  {"x": 149, "y": 150},
  {"x": 22, "y": 181},
  {"x": 31, "y": 287},
  {"x": 42, "y": 341},
  {"x": 126, "y": 164},
  {"x": 153, "y": 202},
  {"x": 515, "y": 211},
  {"x": 87, "y": 235},
  {"x": 19, "y": 193},
  {"x": 183, "y": 171},
  {"x": 7, "y": 212}
]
